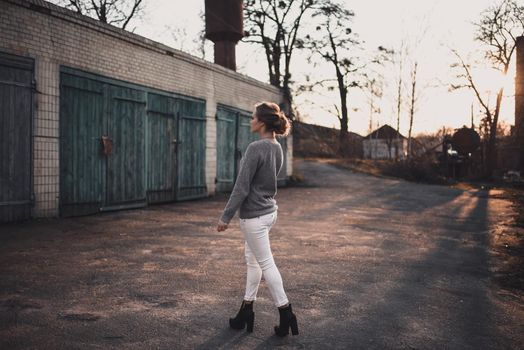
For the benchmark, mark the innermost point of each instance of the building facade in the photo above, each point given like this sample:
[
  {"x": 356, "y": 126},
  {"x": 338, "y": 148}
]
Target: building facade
[
  {"x": 385, "y": 143},
  {"x": 97, "y": 118}
]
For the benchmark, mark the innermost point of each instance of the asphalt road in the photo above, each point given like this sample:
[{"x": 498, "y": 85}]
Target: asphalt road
[{"x": 367, "y": 262}]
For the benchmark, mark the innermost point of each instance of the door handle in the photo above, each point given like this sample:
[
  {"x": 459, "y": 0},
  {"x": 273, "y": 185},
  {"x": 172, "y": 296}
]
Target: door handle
[{"x": 107, "y": 145}]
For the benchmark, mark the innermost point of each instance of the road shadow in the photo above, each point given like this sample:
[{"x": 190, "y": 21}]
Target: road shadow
[
  {"x": 439, "y": 301},
  {"x": 225, "y": 338}
]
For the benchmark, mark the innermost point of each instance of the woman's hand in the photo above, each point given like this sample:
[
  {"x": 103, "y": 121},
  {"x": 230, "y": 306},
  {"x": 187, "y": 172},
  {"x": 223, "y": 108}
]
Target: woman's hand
[{"x": 221, "y": 226}]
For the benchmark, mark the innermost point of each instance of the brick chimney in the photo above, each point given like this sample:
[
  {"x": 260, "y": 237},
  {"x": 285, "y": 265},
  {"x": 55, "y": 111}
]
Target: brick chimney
[
  {"x": 519, "y": 102},
  {"x": 224, "y": 27}
]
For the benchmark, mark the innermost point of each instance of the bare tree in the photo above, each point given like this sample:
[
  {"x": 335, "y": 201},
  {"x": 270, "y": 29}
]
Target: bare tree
[
  {"x": 333, "y": 42},
  {"x": 412, "y": 103},
  {"x": 497, "y": 29},
  {"x": 193, "y": 44},
  {"x": 116, "y": 12},
  {"x": 398, "y": 60},
  {"x": 275, "y": 24},
  {"x": 374, "y": 91},
  {"x": 179, "y": 37},
  {"x": 374, "y": 84},
  {"x": 200, "y": 39},
  {"x": 487, "y": 123}
]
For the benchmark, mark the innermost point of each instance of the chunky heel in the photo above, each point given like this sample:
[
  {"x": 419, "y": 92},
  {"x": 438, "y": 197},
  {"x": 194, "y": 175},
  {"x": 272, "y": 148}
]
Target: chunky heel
[
  {"x": 294, "y": 326},
  {"x": 250, "y": 322},
  {"x": 245, "y": 317},
  {"x": 287, "y": 320}
]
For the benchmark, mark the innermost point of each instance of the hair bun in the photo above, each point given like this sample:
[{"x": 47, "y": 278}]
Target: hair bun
[{"x": 275, "y": 120}]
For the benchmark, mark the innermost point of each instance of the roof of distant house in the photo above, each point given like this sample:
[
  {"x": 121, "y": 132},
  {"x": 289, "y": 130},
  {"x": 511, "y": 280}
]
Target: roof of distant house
[
  {"x": 301, "y": 126},
  {"x": 384, "y": 132}
]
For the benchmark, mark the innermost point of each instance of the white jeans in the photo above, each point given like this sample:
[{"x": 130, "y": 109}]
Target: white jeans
[{"x": 259, "y": 258}]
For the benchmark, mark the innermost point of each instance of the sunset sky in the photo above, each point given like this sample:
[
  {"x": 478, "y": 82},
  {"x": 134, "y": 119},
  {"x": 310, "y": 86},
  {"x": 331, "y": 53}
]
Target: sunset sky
[{"x": 447, "y": 24}]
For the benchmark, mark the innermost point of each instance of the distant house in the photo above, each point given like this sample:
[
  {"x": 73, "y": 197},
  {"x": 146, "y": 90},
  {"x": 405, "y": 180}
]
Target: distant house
[{"x": 384, "y": 143}]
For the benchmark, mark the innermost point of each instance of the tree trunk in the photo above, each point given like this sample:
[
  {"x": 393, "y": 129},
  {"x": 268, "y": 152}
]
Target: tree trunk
[
  {"x": 277, "y": 54},
  {"x": 288, "y": 97},
  {"x": 269, "y": 58},
  {"x": 412, "y": 106},
  {"x": 398, "y": 127},
  {"x": 103, "y": 13},
  {"x": 492, "y": 143},
  {"x": 399, "y": 105},
  {"x": 343, "y": 137},
  {"x": 275, "y": 79}
]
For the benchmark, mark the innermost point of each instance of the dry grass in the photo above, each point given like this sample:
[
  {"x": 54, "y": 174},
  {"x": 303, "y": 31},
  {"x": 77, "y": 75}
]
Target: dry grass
[{"x": 418, "y": 171}]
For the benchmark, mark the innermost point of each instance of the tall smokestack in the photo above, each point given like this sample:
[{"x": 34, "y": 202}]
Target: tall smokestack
[
  {"x": 224, "y": 27},
  {"x": 519, "y": 102}
]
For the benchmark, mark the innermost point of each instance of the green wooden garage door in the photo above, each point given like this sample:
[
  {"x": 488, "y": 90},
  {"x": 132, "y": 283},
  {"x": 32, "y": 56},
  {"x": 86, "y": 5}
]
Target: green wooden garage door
[
  {"x": 191, "y": 149},
  {"x": 161, "y": 148},
  {"x": 126, "y": 172},
  {"x": 82, "y": 164},
  {"x": 233, "y": 136},
  {"x": 157, "y": 139},
  {"x": 245, "y": 136},
  {"x": 226, "y": 147},
  {"x": 16, "y": 77}
]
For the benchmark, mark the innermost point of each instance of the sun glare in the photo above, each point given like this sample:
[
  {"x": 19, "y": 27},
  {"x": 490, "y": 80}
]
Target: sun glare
[{"x": 490, "y": 81}]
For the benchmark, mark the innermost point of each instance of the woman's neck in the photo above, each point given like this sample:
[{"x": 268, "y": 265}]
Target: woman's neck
[{"x": 267, "y": 135}]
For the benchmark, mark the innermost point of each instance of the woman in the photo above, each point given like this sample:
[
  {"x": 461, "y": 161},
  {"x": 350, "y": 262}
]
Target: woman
[{"x": 254, "y": 192}]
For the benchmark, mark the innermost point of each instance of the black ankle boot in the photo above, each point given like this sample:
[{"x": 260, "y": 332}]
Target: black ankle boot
[
  {"x": 245, "y": 316},
  {"x": 287, "y": 320}
]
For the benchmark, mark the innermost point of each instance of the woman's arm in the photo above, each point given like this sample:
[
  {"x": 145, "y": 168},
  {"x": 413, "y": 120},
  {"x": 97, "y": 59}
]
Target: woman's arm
[{"x": 248, "y": 168}]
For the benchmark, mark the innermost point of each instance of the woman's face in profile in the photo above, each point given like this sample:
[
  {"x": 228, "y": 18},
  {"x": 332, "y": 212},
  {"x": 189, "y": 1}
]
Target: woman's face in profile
[{"x": 255, "y": 123}]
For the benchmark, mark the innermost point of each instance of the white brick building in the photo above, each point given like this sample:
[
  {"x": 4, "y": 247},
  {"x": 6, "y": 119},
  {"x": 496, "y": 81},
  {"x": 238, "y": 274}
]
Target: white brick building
[
  {"x": 54, "y": 37},
  {"x": 384, "y": 143}
]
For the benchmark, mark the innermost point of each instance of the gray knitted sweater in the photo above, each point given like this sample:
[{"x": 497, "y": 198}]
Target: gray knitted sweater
[{"x": 256, "y": 183}]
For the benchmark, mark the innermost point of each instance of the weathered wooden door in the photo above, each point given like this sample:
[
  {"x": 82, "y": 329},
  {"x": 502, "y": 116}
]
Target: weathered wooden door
[
  {"x": 82, "y": 164},
  {"x": 244, "y": 137},
  {"x": 16, "y": 79},
  {"x": 191, "y": 149},
  {"x": 226, "y": 121},
  {"x": 162, "y": 141},
  {"x": 154, "y": 150},
  {"x": 282, "y": 176},
  {"x": 233, "y": 136},
  {"x": 126, "y": 164},
  {"x": 244, "y": 134}
]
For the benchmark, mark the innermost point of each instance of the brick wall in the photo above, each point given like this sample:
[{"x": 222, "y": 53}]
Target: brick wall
[{"x": 54, "y": 36}]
